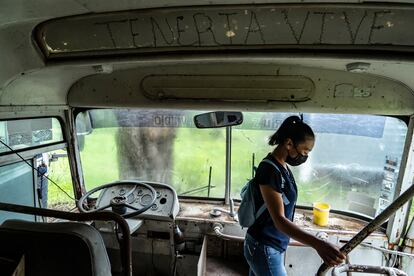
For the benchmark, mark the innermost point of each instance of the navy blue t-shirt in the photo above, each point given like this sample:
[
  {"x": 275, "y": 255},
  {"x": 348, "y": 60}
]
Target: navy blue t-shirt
[{"x": 263, "y": 230}]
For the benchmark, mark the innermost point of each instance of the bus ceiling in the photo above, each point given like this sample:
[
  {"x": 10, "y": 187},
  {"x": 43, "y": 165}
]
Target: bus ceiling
[{"x": 181, "y": 57}]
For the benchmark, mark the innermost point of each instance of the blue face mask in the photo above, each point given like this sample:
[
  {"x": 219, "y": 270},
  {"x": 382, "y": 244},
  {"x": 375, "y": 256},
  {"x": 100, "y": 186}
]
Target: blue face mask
[{"x": 297, "y": 160}]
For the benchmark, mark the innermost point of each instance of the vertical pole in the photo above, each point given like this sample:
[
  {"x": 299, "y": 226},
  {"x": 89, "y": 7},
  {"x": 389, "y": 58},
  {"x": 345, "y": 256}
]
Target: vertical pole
[
  {"x": 228, "y": 166},
  {"x": 253, "y": 165},
  {"x": 35, "y": 185},
  {"x": 209, "y": 182},
  {"x": 398, "y": 221},
  {"x": 69, "y": 132}
]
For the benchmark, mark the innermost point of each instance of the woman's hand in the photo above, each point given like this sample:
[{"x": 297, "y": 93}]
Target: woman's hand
[
  {"x": 274, "y": 202},
  {"x": 329, "y": 253}
]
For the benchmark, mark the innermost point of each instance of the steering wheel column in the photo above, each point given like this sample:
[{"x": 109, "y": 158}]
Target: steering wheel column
[{"x": 117, "y": 203}]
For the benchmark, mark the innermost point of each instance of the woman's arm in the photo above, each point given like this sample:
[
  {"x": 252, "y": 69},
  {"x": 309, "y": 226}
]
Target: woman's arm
[{"x": 274, "y": 203}]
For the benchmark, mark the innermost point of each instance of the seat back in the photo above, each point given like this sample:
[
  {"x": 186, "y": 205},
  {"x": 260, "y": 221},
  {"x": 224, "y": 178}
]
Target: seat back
[{"x": 66, "y": 248}]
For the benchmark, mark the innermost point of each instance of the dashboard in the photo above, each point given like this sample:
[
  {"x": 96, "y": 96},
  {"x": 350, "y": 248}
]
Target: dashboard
[{"x": 166, "y": 205}]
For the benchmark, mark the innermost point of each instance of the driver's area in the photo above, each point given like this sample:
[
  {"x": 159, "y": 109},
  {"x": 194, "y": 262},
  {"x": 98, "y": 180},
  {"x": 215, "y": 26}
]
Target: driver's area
[
  {"x": 169, "y": 177},
  {"x": 150, "y": 210},
  {"x": 200, "y": 233}
]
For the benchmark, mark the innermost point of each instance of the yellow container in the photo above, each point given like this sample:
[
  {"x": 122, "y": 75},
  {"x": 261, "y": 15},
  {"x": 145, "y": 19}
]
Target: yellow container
[{"x": 321, "y": 213}]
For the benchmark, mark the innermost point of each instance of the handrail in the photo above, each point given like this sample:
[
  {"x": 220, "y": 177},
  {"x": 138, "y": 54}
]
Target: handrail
[
  {"x": 391, "y": 271},
  {"x": 217, "y": 227},
  {"x": 392, "y": 252},
  {"x": 372, "y": 226},
  {"x": 125, "y": 248}
]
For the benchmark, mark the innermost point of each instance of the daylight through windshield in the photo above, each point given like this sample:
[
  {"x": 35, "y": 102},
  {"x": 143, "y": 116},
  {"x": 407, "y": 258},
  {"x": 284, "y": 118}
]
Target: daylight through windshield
[{"x": 353, "y": 166}]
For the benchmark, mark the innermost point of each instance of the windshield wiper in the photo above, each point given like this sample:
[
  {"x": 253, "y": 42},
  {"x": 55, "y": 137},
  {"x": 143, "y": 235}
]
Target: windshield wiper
[{"x": 199, "y": 189}]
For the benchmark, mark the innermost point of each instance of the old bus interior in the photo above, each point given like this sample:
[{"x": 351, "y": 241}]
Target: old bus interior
[{"x": 104, "y": 171}]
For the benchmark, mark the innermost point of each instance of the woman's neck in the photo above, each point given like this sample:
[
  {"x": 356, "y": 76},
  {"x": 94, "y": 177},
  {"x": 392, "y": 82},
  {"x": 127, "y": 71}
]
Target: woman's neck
[{"x": 280, "y": 154}]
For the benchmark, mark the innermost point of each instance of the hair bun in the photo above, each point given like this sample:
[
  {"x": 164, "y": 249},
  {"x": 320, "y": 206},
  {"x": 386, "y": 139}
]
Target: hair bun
[{"x": 293, "y": 128}]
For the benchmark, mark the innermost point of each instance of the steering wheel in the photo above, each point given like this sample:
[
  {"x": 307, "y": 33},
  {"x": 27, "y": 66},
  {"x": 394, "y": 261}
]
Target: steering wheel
[{"x": 119, "y": 203}]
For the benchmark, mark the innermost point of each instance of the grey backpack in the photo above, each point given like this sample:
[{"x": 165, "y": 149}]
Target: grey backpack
[{"x": 247, "y": 214}]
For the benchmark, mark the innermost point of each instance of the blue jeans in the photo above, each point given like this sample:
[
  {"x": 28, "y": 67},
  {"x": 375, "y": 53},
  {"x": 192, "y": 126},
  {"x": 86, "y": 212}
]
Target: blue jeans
[{"x": 263, "y": 259}]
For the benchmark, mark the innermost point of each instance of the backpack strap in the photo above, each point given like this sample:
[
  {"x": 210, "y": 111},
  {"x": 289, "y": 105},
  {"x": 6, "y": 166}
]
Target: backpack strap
[
  {"x": 260, "y": 211},
  {"x": 277, "y": 169},
  {"x": 263, "y": 207}
]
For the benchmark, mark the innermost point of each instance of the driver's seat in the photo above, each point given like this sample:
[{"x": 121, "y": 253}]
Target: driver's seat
[{"x": 66, "y": 248}]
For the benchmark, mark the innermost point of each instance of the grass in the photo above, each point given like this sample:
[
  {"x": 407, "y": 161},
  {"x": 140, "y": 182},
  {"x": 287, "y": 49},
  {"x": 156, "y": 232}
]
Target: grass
[
  {"x": 192, "y": 164},
  {"x": 99, "y": 158},
  {"x": 59, "y": 172}
]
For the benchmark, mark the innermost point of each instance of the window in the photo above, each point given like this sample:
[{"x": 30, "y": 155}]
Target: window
[
  {"x": 353, "y": 166},
  {"x": 25, "y": 133},
  {"x": 20, "y": 183},
  {"x": 16, "y": 186},
  {"x": 152, "y": 145},
  {"x": 58, "y": 195}
]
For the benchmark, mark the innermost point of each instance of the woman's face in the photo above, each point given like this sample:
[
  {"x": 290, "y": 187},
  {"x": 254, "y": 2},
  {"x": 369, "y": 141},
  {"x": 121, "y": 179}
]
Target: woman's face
[
  {"x": 303, "y": 148},
  {"x": 298, "y": 154}
]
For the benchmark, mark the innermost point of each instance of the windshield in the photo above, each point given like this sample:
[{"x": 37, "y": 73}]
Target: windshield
[{"x": 353, "y": 166}]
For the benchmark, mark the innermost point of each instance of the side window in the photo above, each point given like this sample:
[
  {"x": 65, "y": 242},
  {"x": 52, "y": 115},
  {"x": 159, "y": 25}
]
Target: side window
[
  {"x": 20, "y": 183},
  {"x": 16, "y": 186},
  {"x": 53, "y": 181},
  {"x": 26, "y": 133}
]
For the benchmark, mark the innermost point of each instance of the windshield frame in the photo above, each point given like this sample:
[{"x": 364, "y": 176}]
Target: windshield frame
[{"x": 227, "y": 196}]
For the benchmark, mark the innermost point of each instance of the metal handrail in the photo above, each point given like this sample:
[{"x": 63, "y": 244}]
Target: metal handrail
[
  {"x": 391, "y": 271},
  {"x": 372, "y": 226},
  {"x": 218, "y": 228}
]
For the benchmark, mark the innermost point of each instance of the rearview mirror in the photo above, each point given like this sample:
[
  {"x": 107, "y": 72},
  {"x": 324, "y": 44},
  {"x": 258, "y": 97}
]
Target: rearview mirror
[
  {"x": 83, "y": 123},
  {"x": 218, "y": 119},
  {"x": 83, "y": 127}
]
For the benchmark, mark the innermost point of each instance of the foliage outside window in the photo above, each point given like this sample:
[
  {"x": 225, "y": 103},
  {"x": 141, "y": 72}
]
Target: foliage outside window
[
  {"x": 153, "y": 145},
  {"x": 354, "y": 164}
]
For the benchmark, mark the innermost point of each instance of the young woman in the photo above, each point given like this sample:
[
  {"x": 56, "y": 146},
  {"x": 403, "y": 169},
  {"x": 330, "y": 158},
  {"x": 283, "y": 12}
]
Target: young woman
[{"x": 267, "y": 239}]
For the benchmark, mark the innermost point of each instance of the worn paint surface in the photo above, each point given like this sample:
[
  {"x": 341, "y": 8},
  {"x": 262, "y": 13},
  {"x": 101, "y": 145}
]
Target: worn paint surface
[
  {"x": 225, "y": 27},
  {"x": 198, "y": 211}
]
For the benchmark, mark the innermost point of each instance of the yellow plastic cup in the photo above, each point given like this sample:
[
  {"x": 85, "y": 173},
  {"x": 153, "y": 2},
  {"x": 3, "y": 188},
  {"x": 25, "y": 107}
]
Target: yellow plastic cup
[{"x": 321, "y": 213}]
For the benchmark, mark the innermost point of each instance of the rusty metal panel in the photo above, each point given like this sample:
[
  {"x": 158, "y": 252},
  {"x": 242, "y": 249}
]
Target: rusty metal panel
[{"x": 200, "y": 212}]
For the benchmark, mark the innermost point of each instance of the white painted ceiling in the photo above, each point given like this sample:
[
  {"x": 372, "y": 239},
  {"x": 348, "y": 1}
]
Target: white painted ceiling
[{"x": 26, "y": 79}]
